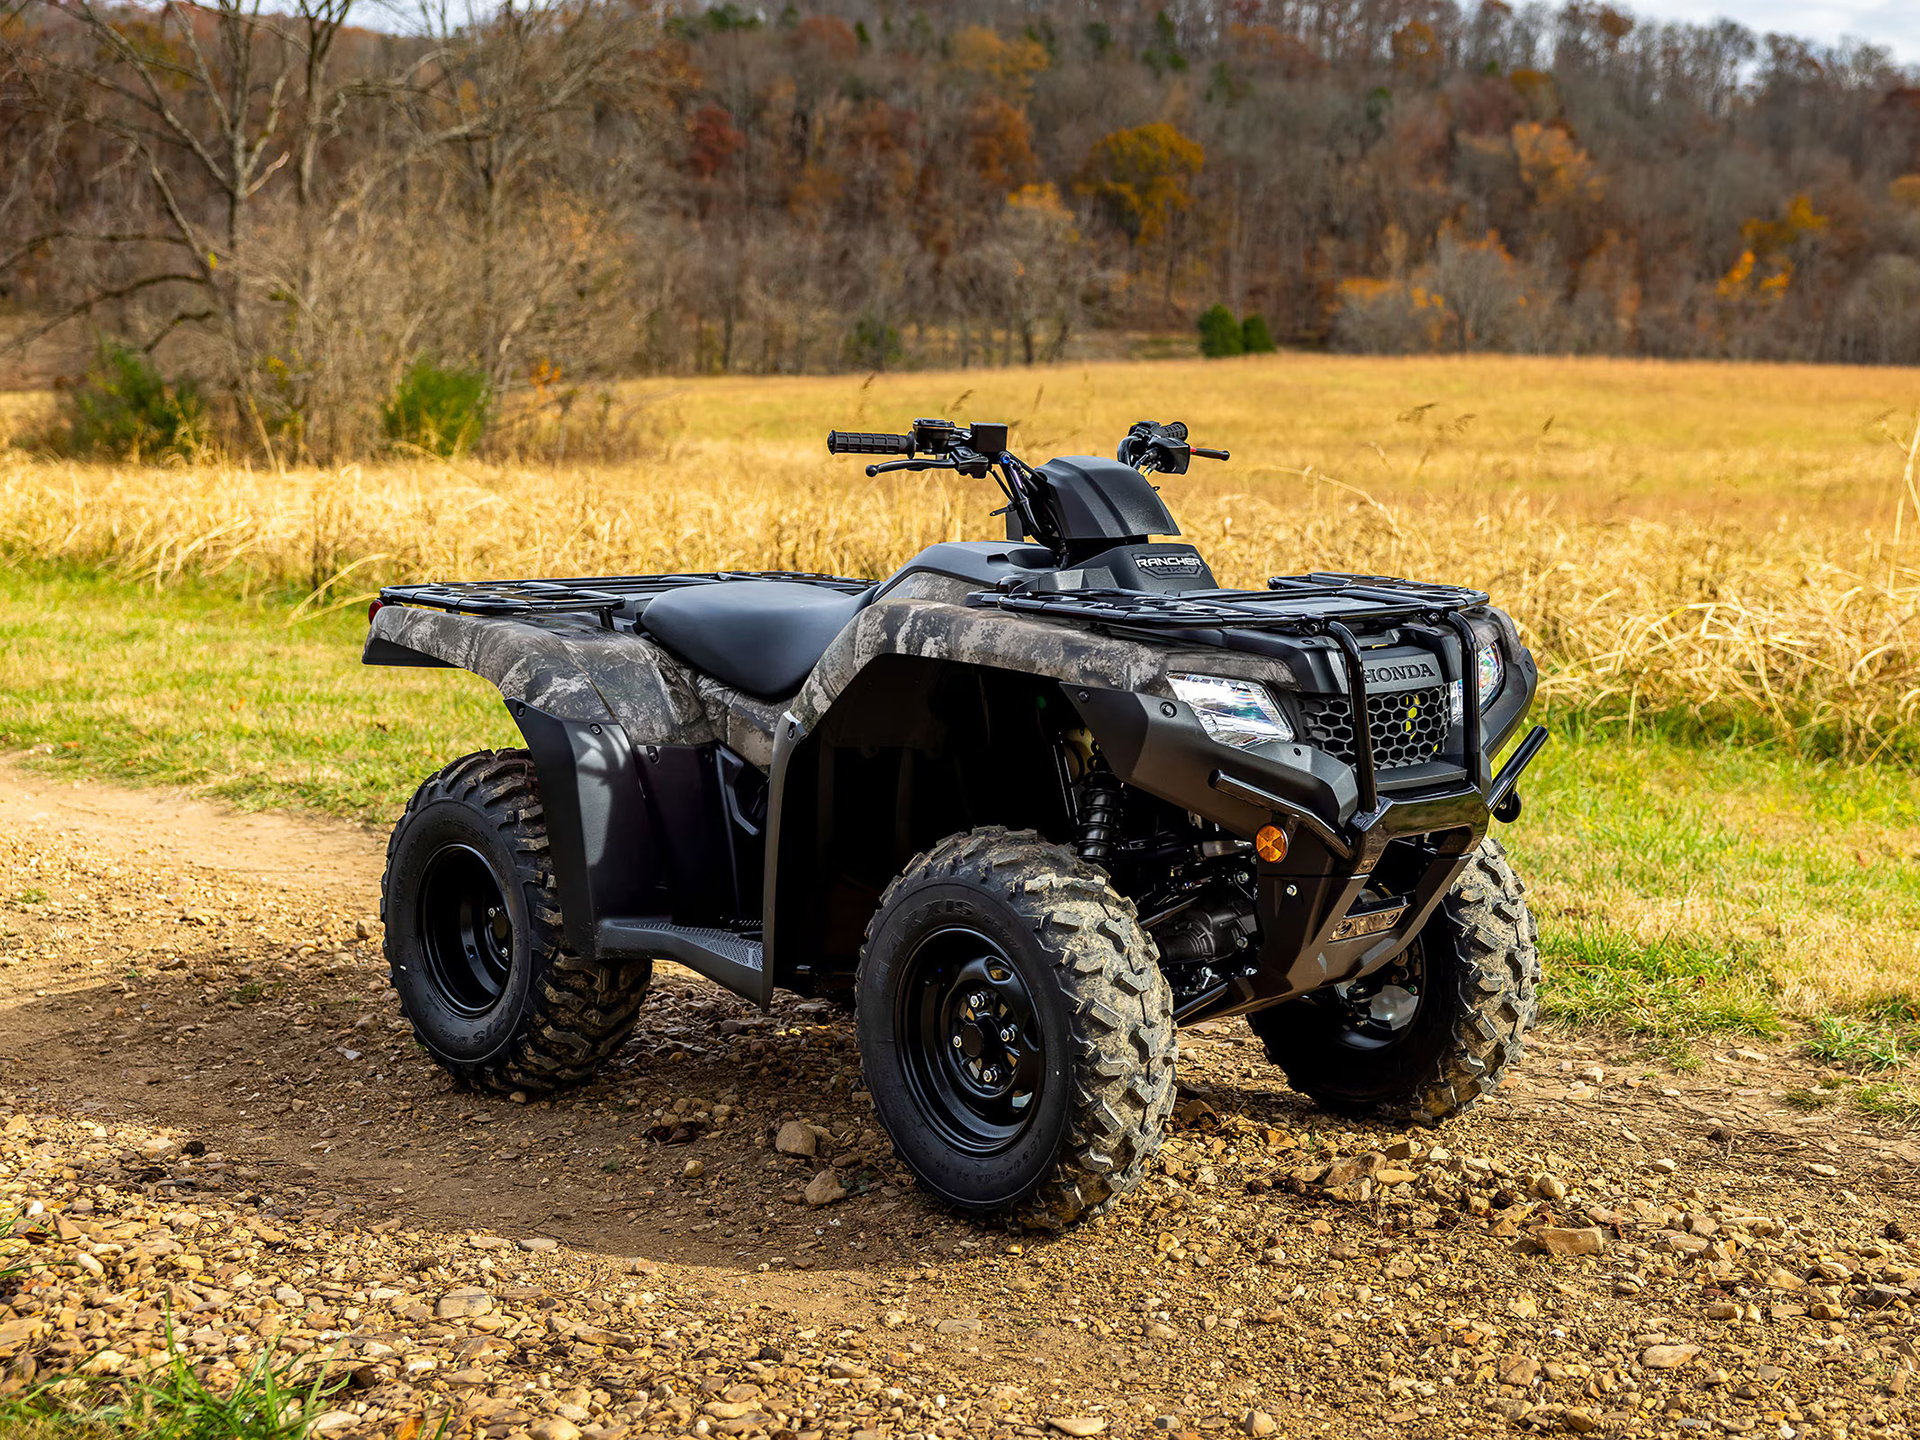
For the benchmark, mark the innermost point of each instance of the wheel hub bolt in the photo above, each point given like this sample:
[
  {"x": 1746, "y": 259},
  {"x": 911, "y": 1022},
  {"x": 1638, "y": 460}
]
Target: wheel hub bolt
[
  {"x": 977, "y": 1000},
  {"x": 958, "y": 1042},
  {"x": 1007, "y": 1034}
]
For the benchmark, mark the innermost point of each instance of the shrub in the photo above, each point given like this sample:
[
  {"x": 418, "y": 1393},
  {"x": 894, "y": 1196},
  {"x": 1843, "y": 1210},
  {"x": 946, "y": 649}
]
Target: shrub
[
  {"x": 874, "y": 344},
  {"x": 1255, "y": 337},
  {"x": 1220, "y": 333},
  {"x": 438, "y": 408},
  {"x": 125, "y": 410}
]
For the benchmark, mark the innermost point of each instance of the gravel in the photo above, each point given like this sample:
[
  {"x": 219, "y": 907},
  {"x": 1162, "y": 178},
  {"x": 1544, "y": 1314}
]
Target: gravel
[{"x": 663, "y": 1253}]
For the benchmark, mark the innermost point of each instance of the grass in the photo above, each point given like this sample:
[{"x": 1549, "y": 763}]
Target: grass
[
  {"x": 1726, "y": 549},
  {"x": 1715, "y": 564},
  {"x": 267, "y": 1401},
  {"x": 192, "y": 686}
]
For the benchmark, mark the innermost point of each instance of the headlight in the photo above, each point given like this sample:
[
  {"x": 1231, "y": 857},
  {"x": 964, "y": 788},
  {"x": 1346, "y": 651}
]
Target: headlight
[
  {"x": 1493, "y": 670},
  {"x": 1232, "y": 712},
  {"x": 1493, "y": 674}
]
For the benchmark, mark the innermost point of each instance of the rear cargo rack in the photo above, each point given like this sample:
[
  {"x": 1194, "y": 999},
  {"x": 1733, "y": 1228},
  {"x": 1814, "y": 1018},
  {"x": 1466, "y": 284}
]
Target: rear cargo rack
[{"x": 599, "y": 594}]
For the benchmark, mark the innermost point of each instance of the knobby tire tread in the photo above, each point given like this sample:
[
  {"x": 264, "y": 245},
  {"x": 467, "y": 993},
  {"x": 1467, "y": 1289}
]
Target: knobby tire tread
[{"x": 579, "y": 1012}]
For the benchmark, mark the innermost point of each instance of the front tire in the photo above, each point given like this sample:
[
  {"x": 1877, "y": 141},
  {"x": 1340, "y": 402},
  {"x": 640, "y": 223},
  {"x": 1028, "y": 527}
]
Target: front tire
[
  {"x": 1015, "y": 1030},
  {"x": 1473, "y": 973},
  {"x": 475, "y": 944}
]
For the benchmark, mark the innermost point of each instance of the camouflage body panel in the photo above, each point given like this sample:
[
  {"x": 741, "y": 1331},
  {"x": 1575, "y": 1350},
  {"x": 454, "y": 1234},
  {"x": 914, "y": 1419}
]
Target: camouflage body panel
[
  {"x": 927, "y": 616},
  {"x": 570, "y": 668}
]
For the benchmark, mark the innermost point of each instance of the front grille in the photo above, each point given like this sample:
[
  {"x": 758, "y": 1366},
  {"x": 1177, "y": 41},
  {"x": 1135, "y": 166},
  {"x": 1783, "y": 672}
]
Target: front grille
[{"x": 1409, "y": 726}]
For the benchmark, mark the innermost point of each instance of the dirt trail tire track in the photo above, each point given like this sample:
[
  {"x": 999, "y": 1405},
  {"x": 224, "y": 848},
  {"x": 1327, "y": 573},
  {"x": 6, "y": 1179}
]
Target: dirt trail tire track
[{"x": 207, "y": 1088}]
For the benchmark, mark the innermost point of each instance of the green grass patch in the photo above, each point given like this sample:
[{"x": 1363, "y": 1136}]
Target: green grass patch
[
  {"x": 1871, "y": 1043},
  {"x": 226, "y": 694},
  {"x": 1668, "y": 988},
  {"x": 1889, "y": 1102},
  {"x": 268, "y": 1401}
]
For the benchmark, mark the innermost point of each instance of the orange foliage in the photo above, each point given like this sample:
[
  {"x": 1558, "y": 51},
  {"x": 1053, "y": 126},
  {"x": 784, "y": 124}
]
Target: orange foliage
[
  {"x": 1554, "y": 166},
  {"x": 1766, "y": 249},
  {"x": 712, "y": 141},
  {"x": 1000, "y": 144},
  {"x": 828, "y": 37},
  {"x": 984, "y": 54},
  {"x": 1143, "y": 175},
  {"x": 1905, "y": 191}
]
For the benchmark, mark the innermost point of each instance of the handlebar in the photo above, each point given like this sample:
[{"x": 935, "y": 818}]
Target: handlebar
[{"x": 858, "y": 442}]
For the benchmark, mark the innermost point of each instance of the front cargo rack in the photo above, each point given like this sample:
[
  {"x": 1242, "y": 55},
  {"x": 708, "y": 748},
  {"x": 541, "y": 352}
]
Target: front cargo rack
[
  {"x": 598, "y": 594},
  {"x": 1290, "y": 602}
]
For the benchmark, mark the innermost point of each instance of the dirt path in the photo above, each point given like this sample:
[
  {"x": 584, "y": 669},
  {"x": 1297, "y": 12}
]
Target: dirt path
[{"x": 216, "y": 1106}]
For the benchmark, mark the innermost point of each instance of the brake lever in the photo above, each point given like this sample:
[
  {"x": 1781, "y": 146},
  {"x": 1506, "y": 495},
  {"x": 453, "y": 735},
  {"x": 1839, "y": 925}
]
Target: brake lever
[{"x": 882, "y": 469}]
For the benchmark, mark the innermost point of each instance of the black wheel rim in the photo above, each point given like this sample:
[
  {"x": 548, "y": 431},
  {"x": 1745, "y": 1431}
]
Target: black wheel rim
[
  {"x": 1379, "y": 1010},
  {"x": 970, "y": 1039},
  {"x": 466, "y": 930}
]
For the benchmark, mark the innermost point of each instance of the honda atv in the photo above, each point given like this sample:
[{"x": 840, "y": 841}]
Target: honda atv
[{"x": 1025, "y": 806}]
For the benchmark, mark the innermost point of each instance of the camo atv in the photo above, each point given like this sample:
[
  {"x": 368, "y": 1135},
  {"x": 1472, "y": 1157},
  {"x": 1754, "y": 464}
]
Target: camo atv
[{"x": 1026, "y": 806}]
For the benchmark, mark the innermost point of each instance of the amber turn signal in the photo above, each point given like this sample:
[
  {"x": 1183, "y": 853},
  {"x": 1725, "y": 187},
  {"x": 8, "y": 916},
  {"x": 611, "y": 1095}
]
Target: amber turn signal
[{"x": 1271, "y": 844}]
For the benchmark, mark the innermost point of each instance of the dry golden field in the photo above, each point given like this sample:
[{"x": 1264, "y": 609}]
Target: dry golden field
[{"x": 1733, "y": 544}]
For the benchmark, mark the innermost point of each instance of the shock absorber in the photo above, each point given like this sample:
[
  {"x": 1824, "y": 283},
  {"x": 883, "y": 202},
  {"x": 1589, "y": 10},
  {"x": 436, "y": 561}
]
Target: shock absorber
[{"x": 1100, "y": 795}]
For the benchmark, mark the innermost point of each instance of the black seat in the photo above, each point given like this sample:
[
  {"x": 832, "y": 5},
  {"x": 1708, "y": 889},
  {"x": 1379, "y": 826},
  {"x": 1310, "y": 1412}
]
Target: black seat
[{"x": 763, "y": 636}]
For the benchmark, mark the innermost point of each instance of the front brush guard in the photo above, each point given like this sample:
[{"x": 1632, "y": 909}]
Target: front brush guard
[{"x": 1337, "y": 823}]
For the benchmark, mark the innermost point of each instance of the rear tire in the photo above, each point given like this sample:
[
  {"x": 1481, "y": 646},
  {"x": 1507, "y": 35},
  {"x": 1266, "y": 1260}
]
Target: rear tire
[
  {"x": 475, "y": 944},
  {"x": 1475, "y": 968},
  {"x": 1015, "y": 1030}
]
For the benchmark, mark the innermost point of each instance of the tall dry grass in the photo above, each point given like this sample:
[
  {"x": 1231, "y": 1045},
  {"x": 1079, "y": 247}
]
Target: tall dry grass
[{"x": 1779, "y": 619}]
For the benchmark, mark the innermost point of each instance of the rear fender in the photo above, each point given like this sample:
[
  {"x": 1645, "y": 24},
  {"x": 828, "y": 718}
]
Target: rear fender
[{"x": 641, "y": 793}]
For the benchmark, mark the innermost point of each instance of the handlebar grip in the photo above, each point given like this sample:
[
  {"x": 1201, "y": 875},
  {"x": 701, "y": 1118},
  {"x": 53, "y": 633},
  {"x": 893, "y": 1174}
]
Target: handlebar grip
[
  {"x": 1206, "y": 454},
  {"x": 857, "y": 442}
]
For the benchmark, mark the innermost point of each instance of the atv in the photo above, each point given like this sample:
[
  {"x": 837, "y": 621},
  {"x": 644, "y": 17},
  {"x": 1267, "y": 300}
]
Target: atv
[{"x": 1025, "y": 806}]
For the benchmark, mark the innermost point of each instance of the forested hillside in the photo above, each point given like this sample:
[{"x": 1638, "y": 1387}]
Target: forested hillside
[{"x": 295, "y": 207}]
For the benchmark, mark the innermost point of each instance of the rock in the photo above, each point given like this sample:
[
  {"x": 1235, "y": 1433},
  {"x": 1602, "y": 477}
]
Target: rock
[
  {"x": 693, "y": 1170},
  {"x": 335, "y": 1420},
  {"x": 1580, "y": 1421},
  {"x": 1077, "y": 1424},
  {"x": 539, "y": 1243},
  {"x": 107, "y": 1362},
  {"x": 1668, "y": 1357},
  {"x": 1353, "y": 1167},
  {"x": 1564, "y": 1240},
  {"x": 1158, "y": 1331},
  {"x": 554, "y": 1428},
  {"x": 1783, "y": 1279},
  {"x": 957, "y": 1325},
  {"x": 158, "y": 1148},
  {"x": 1258, "y": 1422},
  {"x": 796, "y": 1139},
  {"x": 1517, "y": 1369},
  {"x": 1550, "y": 1187},
  {"x": 460, "y": 1304},
  {"x": 824, "y": 1189},
  {"x": 1723, "y": 1310}
]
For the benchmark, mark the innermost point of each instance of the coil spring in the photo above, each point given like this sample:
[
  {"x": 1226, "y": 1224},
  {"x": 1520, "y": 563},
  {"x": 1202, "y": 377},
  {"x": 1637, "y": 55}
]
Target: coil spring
[{"x": 1099, "y": 816}]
